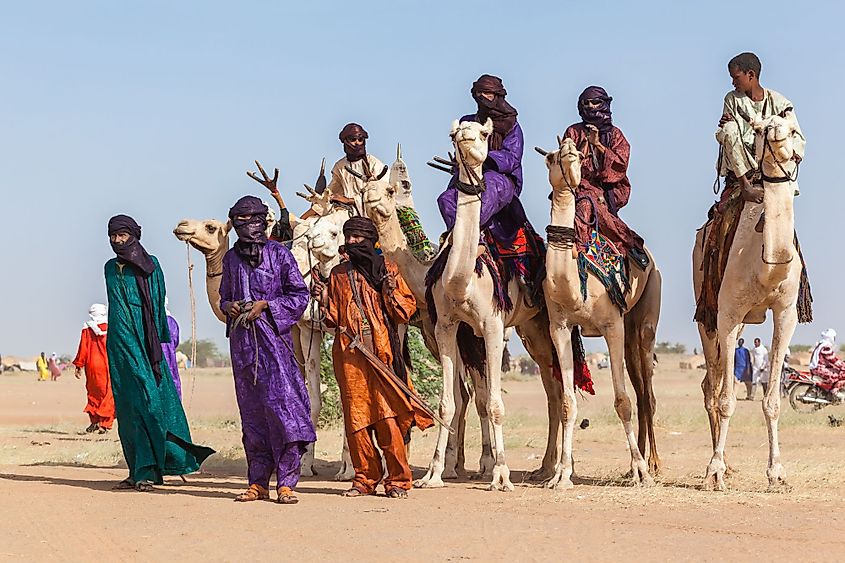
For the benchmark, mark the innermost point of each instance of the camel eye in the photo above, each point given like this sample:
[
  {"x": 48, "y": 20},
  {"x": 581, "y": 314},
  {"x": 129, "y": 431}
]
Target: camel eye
[{"x": 211, "y": 229}]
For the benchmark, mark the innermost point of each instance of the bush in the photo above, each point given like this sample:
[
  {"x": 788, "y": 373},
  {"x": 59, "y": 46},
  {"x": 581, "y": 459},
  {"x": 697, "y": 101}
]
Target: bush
[
  {"x": 208, "y": 354},
  {"x": 426, "y": 376},
  {"x": 670, "y": 348}
]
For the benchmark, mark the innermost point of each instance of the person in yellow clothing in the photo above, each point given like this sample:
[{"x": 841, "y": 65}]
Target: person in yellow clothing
[{"x": 43, "y": 370}]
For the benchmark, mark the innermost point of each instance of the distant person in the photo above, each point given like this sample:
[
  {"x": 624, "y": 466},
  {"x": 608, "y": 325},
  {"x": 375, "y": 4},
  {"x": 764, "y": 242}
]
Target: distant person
[
  {"x": 152, "y": 427},
  {"x": 264, "y": 295},
  {"x": 827, "y": 365},
  {"x": 42, "y": 367},
  {"x": 760, "y": 365},
  {"x": 53, "y": 365},
  {"x": 91, "y": 356},
  {"x": 348, "y": 187},
  {"x": 742, "y": 367},
  {"x": 169, "y": 349}
]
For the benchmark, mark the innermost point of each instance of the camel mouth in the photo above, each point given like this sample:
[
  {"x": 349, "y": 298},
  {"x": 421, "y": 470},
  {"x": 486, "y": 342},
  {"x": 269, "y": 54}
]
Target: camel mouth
[{"x": 184, "y": 234}]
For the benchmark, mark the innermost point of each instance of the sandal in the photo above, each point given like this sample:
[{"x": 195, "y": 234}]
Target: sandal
[
  {"x": 353, "y": 492},
  {"x": 91, "y": 428},
  {"x": 101, "y": 430},
  {"x": 397, "y": 493},
  {"x": 144, "y": 486},
  {"x": 125, "y": 485},
  {"x": 254, "y": 492},
  {"x": 286, "y": 496}
]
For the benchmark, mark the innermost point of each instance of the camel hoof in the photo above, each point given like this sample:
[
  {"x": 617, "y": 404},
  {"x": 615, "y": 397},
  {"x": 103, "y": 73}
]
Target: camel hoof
[
  {"x": 714, "y": 479},
  {"x": 501, "y": 479},
  {"x": 344, "y": 475},
  {"x": 429, "y": 483},
  {"x": 542, "y": 475},
  {"x": 306, "y": 471},
  {"x": 559, "y": 483},
  {"x": 450, "y": 474}
]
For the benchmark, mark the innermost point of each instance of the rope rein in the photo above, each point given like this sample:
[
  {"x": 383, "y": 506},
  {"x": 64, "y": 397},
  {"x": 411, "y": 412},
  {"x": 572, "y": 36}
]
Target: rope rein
[{"x": 193, "y": 302}]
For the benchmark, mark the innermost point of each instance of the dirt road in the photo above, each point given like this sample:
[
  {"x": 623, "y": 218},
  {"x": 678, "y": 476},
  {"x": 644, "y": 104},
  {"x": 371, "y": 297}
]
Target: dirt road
[{"x": 57, "y": 504}]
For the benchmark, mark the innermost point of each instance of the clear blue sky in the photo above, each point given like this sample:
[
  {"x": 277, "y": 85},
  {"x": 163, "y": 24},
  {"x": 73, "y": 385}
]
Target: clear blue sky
[{"x": 157, "y": 109}]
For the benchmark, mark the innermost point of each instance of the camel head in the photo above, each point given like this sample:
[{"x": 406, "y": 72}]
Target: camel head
[
  {"x": 775, "y": 133},
  {"x": 208, "y": 236},
  {"x": 324, "y": 239},
  {"x": 380, "y": 202},
  {"x": 564, "y": 165},
  {"x": 470, "y": 141}
]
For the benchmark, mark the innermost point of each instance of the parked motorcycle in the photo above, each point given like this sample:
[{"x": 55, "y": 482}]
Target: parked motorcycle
[{"x": 808, "y": 393}]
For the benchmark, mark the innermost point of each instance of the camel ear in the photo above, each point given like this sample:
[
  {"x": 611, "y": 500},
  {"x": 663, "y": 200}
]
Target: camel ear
[
  {"x": 488, "y": 126},
  {"x": 559, "y": 141},
  {"x": 227, "y": 227},
  {"x": 455, "y": 125}
]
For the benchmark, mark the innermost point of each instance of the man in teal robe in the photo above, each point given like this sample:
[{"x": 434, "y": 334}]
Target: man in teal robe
[{"x": 152, "y": 426}]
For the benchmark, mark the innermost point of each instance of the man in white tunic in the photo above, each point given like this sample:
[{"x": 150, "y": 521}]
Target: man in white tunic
[
  {"x": 352, "y": 174},
  {"x": 759, "y": 367}
]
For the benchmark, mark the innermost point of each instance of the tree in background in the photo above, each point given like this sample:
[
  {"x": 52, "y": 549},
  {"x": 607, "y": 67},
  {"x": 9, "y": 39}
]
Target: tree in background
[
  {"x": 670, "y": 348},
  {"x": 208, "y": 355}
]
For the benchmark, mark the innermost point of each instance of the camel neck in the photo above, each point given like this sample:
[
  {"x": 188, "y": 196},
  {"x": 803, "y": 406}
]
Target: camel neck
[
  {"x": 395, "y": 247},
  {"x": 563, "y": 283}
]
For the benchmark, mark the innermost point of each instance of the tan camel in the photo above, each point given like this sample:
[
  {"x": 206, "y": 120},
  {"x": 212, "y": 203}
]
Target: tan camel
[
  {"x": 630, "y": 335},
  {"x": 381, "y": 204},
  {"x": 763, "y": 273}
]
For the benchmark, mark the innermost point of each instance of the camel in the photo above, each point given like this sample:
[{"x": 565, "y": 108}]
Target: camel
[
  {"x": 629, "y": 335},
  {"x": 461, "y": 296},
  {"x": 381, "y": 204},
  {"x": 763, "y": 273},
  {"x": 316, "y": 244}
]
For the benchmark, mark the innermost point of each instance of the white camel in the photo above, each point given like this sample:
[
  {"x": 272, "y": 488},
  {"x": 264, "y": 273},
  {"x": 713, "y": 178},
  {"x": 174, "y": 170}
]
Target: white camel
[
  {"x": 461, "y": 296},
  {"x": 763, "y": 273},
  {"x": 384, "y": 204},
  {"x": 630, "y": 334}
]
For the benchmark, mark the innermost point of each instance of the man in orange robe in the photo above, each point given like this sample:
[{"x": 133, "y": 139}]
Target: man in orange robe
[
  {"x": 367, "y": 297},
  {"x": 92, "y": 356}
]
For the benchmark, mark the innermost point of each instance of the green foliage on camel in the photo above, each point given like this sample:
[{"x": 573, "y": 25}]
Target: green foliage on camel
[{"x": 426, "y": 376}]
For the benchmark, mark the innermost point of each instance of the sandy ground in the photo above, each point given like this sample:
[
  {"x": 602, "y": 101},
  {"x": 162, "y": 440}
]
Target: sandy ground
[{"x": 56, "y": 500}]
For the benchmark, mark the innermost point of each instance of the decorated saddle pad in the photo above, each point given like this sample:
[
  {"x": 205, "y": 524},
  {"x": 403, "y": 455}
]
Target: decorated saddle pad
[
  {"x": 419, "y": 243},
  {"x": 601, "y": 259}
]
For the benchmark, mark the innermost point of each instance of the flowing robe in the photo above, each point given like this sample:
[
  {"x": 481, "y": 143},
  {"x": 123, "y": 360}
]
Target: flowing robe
[
  {"x": 370, "y": 401},
  {"x": 604, "y": 179},
  {"x": 501, "y": 211},
  {"x": 272, "y": 397},
  {"x": 168, "y": 350},
  {"x": 152, "y": 426},
  {"x": 43, "y": 370},
  {"x": 742, "y": 364},
  {"x": 829, "y": 366},
  {"x": 92, "y": 357}
]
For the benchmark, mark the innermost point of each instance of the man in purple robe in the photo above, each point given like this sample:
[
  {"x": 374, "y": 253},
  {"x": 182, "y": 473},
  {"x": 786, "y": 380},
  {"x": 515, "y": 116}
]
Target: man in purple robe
[
  {"x": 168, "y": 349},
  {"x": 501, "y": 211},
  {"x": 263, "y": 294}
]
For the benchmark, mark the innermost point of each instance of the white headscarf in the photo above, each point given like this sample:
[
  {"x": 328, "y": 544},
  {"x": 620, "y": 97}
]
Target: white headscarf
[
  {"x": 98, "y": 314},
  {"x": 827, "y": 339},
  {"x": 167, "y": 306}
]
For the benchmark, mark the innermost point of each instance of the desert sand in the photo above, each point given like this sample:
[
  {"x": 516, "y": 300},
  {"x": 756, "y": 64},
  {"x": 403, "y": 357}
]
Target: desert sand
[{"x": 57, "y": 502}]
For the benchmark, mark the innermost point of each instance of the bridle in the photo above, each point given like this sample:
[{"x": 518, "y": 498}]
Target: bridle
[
  {"x": 476, "y": 185},
  {"x": 786, "y": 178}
]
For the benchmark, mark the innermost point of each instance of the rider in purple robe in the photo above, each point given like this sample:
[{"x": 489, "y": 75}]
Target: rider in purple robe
[
  {"x": 264, "y": 295},
  {"x": 501, "y": 210}
]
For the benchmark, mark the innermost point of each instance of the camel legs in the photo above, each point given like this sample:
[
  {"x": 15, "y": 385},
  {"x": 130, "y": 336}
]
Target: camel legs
[
  {"x": 711, "y": 385},
  {"x": 785, "y": 322},
  {"x": 482, "y": 392},
  {"x": 309, "y": 343},
  {"x": 562, "y": 337},
  {"x": 640, "y": 333},
  {"x": 539, "y": 344},
  {"x": 454, "y": 447},
  {"x": 446, "y": 333},
  {"x": 728, "y": 330},
  {"x": 614, "y": 335},
  {"x": 494, "y": 332}
]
